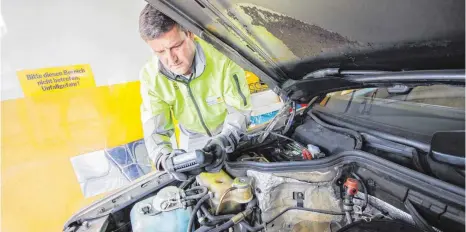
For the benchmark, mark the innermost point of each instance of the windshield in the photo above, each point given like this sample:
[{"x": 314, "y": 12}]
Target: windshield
[{"x": 421, "y": 110}]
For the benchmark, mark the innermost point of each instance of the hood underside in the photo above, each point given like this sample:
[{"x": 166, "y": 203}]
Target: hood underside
[{"x": 280, "y": 41}]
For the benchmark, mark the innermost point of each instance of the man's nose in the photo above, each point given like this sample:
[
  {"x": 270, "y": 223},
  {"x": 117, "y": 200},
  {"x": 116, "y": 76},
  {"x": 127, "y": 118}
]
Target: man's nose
[{"x": 172, "y": 57}]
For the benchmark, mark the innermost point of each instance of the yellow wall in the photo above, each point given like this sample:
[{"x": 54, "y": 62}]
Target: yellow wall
[{"x": 39, "y": 135}]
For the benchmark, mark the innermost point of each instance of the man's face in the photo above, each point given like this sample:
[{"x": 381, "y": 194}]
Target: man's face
[{"x": 175, "y": 49}]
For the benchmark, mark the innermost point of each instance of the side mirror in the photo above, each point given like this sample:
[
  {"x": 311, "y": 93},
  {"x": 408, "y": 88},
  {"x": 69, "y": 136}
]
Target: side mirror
[{"x": 448, "y": 147}]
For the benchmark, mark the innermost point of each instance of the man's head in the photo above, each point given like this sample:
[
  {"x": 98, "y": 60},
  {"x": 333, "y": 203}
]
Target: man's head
[{"x": 171, "y": 43}]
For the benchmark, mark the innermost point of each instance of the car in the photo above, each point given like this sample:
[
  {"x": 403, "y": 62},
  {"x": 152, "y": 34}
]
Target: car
[{"x": 370, "y": 138}]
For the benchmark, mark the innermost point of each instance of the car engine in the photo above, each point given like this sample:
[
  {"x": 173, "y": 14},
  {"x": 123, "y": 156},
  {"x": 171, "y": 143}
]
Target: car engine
[
  {"x": 300, "y": 183},
  {"x": 327, "y": 199},
  {"x": 260, "y": 201}
]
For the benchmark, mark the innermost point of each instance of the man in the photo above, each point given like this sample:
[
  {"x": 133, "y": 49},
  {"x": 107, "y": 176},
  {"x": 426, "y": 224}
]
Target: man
[{"x": 188, "y": 79}]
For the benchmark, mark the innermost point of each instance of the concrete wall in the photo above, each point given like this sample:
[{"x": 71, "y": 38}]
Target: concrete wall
[{"x": 51, "y": 33}]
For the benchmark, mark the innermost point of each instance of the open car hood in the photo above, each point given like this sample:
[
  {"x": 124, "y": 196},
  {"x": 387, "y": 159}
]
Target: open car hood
[
  {"x": 284, "y": 43},
  {"x": 307, "y": 49}
]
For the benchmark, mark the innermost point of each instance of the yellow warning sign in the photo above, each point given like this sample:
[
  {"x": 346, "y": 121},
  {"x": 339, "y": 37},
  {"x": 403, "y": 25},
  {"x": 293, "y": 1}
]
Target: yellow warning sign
[{"x": 47, "y": 80}]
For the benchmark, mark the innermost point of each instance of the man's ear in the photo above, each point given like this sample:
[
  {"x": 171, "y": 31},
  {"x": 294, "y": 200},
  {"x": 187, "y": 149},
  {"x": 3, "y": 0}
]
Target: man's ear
[{"x": 190, "y": 34}]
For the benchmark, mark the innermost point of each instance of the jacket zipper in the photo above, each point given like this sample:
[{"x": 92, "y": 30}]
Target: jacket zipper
[
  {"x": 239, "y": 89},
  {"x": 197, "y": 109},
  {"x": 194, "y": 101}
]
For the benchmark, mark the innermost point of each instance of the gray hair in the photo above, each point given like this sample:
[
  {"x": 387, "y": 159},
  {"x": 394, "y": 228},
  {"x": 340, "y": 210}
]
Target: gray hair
[{"x": 153, "y": 23}]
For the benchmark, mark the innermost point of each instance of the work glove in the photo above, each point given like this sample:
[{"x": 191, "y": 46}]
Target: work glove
[
  {"x": 176, "y": 175},
  {"x": 219, "y": 146},
  {"x": 159, "y": 159}
]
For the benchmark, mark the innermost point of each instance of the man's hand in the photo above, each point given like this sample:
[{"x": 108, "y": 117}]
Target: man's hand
[
  {"x": 216, "y": 146},
  {"x": 159, "y": 159}
]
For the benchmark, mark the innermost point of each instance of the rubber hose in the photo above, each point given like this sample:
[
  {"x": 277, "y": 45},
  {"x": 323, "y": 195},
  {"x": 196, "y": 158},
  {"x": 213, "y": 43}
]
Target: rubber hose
[
  {"x": 215, "y": 218},
  {"x": 203, "y": 192},
  {"x": 418, "y": 219},
  {"x": 223, "y": 227},
  {"x": 251, "y": 203},
  {"x": 186, "y": 183},
  {"x": 230, "y": 223},
  {"x": 204, "y": 229},
  {"x": 366, "y": 196},
  {"x": 195, "y": 209},
  {"x": 250, "y": 228},
  {"x": 209, "y": 223},
  {"x": 353, "y": 133}
]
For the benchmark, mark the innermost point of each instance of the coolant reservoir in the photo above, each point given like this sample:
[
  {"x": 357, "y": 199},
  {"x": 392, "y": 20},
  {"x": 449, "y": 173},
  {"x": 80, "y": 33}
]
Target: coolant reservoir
[
  {"x": 229, "y": 194},
  {"x": 147, "y": 216}
]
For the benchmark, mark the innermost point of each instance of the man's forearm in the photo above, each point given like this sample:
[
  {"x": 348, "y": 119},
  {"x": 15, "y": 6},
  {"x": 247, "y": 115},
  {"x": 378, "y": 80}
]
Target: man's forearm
[
  {"x": 157, "y": 140},
  {"x": 157, "y": 151},
  {"x": 235, "y": 126}
]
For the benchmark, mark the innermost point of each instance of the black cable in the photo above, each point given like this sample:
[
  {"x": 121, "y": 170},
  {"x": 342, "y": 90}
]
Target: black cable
[
  {"x": 309, "y": 106},
  {"x": 364, "y": 188},
  {"x": 195, "y": 209},
  {"x": 353, "y": 133},
  {"x": 290, "y": 139},
  {"x": 305, "y": 209},
  {"x": 291, "y": 118},
  {"x": 418, "y": 219}
]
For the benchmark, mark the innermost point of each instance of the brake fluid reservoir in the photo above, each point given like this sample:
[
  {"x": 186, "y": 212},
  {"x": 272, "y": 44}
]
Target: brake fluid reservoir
[
  {"x": 147, "y": 215},
  {"x": 229, "y": 194}
]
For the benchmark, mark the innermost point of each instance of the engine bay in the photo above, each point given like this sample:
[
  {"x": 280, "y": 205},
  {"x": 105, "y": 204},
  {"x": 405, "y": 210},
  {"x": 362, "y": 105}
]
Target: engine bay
[
  {"x": 295, "y": 182},
  {"x": 259, "y": 201}
]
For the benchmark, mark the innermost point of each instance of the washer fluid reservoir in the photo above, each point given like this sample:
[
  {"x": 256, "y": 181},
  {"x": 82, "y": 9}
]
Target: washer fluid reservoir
[{"x": 148, "y": 215}]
